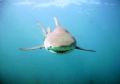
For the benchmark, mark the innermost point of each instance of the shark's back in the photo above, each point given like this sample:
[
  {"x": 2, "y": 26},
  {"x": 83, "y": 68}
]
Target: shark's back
[{"x": 59, "y": 37}]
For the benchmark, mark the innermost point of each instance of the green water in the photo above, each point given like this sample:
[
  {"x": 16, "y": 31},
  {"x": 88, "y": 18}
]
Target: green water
[{"x": 95, "y": 25}]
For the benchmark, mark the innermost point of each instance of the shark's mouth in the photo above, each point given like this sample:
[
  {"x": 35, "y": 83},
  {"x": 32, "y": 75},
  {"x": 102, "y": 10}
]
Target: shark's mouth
[{"x": 61, "y": 49}]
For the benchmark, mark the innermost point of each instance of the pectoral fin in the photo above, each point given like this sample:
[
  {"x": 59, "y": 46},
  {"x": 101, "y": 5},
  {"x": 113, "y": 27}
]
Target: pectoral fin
[
  {"x": 84, "y": 49},
  {"x": 32, "y": 48}
]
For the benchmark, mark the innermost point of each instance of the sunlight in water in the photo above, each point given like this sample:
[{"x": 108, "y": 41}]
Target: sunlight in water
[{"x": 60, "y": 3}]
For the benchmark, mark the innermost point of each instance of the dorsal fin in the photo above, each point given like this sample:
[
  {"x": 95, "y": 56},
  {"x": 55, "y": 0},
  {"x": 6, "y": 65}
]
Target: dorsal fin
[{"x": 56, "y": 22}]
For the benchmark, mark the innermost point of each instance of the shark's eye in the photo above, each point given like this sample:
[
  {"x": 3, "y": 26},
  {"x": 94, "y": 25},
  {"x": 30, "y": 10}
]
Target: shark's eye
[{"x": 50, "y": 47}]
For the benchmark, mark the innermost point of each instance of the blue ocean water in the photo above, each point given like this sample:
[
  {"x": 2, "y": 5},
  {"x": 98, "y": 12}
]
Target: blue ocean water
[{"x": 94, "y": 23}]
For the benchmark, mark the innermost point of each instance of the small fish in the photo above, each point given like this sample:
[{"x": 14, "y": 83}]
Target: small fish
[{"x": 58, "y": 41}]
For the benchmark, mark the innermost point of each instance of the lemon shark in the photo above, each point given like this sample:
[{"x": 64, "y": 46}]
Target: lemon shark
[{"x": 58, "y": 41}]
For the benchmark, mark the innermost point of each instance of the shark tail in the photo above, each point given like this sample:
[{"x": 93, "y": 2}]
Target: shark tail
[{"x": 42, "y": 28}]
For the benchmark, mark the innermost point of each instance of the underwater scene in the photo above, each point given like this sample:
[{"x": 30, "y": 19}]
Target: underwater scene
[{"x": 93, "y": 25}]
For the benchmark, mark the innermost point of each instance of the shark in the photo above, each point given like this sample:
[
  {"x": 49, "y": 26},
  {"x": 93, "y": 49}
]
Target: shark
[{"x": 57, "y": 41}]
